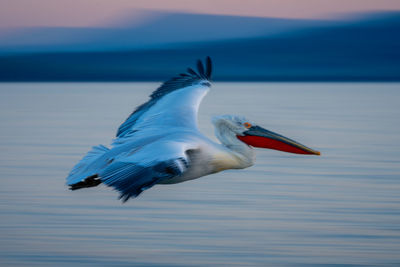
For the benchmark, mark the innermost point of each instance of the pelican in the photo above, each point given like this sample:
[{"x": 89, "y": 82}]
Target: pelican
[{"x": 160, "y": 143}]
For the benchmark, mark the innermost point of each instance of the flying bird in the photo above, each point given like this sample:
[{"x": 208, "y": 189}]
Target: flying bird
[{"x": 160, "y": 143}]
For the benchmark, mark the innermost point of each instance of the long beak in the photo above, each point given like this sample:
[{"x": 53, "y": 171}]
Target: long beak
[{"x": 259, "y": 137}]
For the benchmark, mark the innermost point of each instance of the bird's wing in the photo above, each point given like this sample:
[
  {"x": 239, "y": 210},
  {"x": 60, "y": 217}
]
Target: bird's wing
[
  {"x": 174, "y": 104},
  {"x": 137, "y": 170}
]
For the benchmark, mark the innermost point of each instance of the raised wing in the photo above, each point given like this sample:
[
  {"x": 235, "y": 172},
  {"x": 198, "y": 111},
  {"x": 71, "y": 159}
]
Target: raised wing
[
  {"x": 174, "y": 103},
  {"x": 135, "y": 171}
]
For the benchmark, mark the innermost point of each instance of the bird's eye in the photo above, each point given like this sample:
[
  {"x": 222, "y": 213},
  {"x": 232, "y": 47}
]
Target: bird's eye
[{"x": 247, "y": 125}]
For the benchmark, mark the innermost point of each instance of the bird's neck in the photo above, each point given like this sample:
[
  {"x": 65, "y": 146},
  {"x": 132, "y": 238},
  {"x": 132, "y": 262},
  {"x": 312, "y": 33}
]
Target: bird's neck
[{"x": 241, "y": 152}]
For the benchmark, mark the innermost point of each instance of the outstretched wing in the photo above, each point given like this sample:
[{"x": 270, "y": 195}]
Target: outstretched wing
[
  {"x": 133, "y": 172},
  {"x": 174, "y": 103}
]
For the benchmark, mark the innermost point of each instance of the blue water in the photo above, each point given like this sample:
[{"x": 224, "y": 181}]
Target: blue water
[{"x": 342, "y": 208}]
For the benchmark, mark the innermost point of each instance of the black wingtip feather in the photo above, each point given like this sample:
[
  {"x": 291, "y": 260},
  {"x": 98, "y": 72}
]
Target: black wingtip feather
[
  {"x": 192, "y": 72},
  {"x": 204, "y": 71},
  {"x": 200, "y": 68},
  {"x": 208, "y": 67}
]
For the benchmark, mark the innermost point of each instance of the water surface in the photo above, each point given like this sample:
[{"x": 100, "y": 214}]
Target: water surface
[{"x": 342, "y": 208}]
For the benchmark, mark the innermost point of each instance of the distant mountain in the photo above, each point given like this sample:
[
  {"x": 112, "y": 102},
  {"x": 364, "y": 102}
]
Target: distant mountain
[
  {"x": 367, "y": 49},
  {"x": 160, "y": 30}
]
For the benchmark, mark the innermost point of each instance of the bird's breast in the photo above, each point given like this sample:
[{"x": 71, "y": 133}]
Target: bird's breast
[{"x": 203, "y": 163}]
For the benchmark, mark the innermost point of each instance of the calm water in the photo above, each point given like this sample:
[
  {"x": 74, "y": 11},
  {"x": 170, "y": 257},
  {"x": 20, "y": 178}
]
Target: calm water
[{"x": 342, "y": 208}]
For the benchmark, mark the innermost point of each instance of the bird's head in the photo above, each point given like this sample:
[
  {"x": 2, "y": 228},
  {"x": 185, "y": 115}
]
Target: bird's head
[{"x": 230, "y": 128}]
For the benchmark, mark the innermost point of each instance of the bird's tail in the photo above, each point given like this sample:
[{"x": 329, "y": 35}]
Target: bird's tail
[
  {"x": 90, "y": 181},
  {"x": 84, "y": 174}
]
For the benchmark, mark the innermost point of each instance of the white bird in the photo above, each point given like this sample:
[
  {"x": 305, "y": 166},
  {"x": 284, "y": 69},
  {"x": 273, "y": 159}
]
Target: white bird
[{"x": 160, "y": 143}]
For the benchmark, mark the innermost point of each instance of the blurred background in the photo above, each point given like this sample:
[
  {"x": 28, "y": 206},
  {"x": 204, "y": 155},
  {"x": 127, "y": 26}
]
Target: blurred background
[
  {"x": 287, "y": 40},
  {"x": 323, "y": 72}
]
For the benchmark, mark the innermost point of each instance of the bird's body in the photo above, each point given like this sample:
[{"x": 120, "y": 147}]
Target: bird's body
[
  {"x": 209, "y": 157},
  {"x": 160, "y": 142}
]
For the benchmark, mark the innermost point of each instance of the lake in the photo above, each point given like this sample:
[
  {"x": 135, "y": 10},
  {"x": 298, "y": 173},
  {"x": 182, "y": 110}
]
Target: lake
[{"x": 342, "y": 208}]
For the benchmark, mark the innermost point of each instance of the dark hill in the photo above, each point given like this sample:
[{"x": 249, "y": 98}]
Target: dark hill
[{"x": 364, "y": 50}]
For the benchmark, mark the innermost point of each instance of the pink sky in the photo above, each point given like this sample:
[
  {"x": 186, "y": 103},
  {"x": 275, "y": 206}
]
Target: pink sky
[{"x": 91, "y": 12}]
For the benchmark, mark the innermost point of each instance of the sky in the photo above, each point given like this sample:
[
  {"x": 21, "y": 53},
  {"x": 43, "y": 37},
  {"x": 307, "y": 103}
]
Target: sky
[{"x": 80, "y": 13}]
